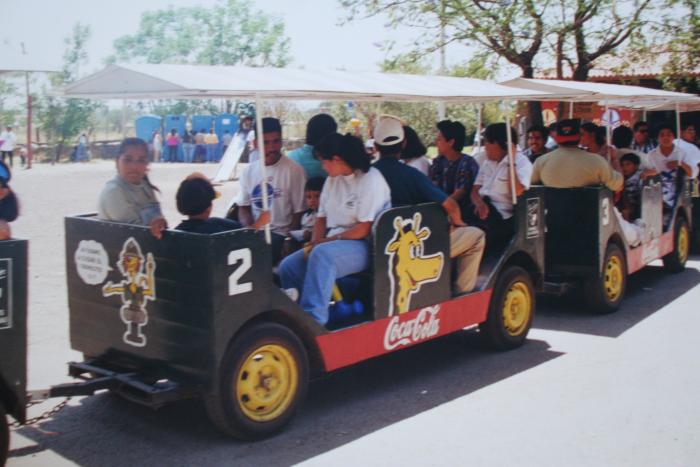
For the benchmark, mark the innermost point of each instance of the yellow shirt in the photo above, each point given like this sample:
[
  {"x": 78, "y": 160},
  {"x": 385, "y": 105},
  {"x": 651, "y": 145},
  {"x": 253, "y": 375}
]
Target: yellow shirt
[
  {"x": 211, "y": 138},
  {"x": 570, "y": 167}
]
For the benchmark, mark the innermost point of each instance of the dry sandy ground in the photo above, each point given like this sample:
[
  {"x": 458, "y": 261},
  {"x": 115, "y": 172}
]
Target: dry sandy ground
[{"x": 47, "y": 194}]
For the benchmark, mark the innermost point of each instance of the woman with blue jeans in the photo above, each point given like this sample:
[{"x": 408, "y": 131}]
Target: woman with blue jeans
[{"x": 353, "y": 196}]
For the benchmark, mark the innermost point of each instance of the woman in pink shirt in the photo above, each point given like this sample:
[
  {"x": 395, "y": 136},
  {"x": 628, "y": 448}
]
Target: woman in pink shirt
[{"x": 172, "y": 141}]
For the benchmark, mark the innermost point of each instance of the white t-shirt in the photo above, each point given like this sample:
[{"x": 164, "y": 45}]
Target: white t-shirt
[
  {"x": 285, "y": 191},
  {"x": 692, "y": 154},
  {"x": 349, "y": 199},
  {"x": 8, "y": 141},
  {"x": 421, "y": 163},
  {"x": 495, "y": 182}
]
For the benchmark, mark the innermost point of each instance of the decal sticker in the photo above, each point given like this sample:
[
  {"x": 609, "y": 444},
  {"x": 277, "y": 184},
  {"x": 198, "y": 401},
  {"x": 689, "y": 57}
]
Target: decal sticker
[
  {"x": 5, "y": 293},
  {"x": 605, "y": 211},
  {"x": 409, "y": 268},
  {"x": 135, "y": 290},
  {"x": 91, "y": 262},
  {"x": 533, "y": 217},
  {"x": 424, "y": 326},
  {"x": 245, "y": 257}
]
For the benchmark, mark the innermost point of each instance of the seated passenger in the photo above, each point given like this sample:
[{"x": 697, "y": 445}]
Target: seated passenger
[
  {"x": 284, "y": 186},
  {"x": 9, "y": 207},
  {"x": 453, "y": 172},
  {"x": 571, "y": 167},
  {"x": 536, "y": 139},
  {"x": 353, "y": 195},
  {"x": 130, "y": 196},
  {"x": 413, "y": 153},
  {"x": 312, "y": 195},
  {"x": 492, "y": 195},
  {"x": 319, "y": 126},
  {"x": 593, "y": 139},
  {"x": 629, "y": 204},
  {"x": 194, "y": 199},
  {"x": 622, "y": 138},
  {"x": 409, "y": 186}
]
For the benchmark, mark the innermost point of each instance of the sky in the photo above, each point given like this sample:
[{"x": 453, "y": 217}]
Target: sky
[{"x": 317, "y": 39}]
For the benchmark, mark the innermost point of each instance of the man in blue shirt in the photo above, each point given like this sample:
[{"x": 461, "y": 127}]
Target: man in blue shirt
[{"x": 409, "y": 186}]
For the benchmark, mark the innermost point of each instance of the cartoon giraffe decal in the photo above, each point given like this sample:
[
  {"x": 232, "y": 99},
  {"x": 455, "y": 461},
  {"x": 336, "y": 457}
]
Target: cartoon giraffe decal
[
  {"x": 135, "y": 290},
  {"x": 408, "y": 267}
]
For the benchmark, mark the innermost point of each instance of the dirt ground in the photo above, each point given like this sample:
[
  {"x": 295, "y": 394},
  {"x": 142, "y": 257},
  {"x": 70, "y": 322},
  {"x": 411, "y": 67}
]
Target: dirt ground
[{"x": 47, "y": 194}]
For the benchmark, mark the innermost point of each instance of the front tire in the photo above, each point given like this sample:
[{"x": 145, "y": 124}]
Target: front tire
[
  {"x": 605, "y": 292},
  {"x": 263, "y": 381},
  {"x": 511, "y": 310},
  {"x": 675, "y": 260}
]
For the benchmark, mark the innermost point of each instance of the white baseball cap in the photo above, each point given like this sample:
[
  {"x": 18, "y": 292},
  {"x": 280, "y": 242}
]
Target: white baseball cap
[{"x": 388, "y": 130}]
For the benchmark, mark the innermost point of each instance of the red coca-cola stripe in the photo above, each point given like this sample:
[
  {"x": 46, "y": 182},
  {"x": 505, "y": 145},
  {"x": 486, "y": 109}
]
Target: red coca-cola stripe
[{"x": 351, "y": 345}]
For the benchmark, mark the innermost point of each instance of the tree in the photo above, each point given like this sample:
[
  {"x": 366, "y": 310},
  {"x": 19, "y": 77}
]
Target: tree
[
  {"x": 575, "y": 32},
  {"x": 683, "y": 47},
  {"x": 8, "y": 90},
  {"x": 63, "y": 119},
  {"x": 228, "y": 33}
]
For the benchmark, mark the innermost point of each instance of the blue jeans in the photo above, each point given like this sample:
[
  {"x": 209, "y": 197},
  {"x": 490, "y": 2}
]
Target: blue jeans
[
  {"x": 211, "y": 152},
  {"x": 314, "y": 278},
  {"x": 188, "y": 150}
]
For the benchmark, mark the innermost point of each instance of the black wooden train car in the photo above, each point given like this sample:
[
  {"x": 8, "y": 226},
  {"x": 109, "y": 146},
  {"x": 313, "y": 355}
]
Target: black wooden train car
[{"x": 201, "y": 316}]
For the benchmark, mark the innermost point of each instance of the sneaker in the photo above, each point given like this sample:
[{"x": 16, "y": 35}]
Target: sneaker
[{"x": 292, "y": 293}]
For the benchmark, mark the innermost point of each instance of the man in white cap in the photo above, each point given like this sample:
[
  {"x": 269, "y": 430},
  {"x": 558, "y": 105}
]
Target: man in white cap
[{"x": 410, "y": 186}]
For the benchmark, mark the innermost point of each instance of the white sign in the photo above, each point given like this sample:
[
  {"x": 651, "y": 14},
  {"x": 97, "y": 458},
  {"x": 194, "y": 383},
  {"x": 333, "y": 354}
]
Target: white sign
[
  {"x": 92, "y": 262},
  {"x": 425, "y": 325}
]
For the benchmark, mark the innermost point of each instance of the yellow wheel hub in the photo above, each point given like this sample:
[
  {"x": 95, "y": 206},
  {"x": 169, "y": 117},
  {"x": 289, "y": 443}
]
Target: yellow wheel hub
[
  {"x": 517, "y": 308},
  {"x": 613, "y": 278},
  {"x": 267, "y": 382},
  {"x": 683, "y": 244}
]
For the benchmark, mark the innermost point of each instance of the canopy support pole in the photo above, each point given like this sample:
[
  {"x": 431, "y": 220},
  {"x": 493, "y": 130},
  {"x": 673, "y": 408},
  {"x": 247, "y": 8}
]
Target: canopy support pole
[
  {"x": 678, "y": 121},
  {"x": 30, "y": 154},
  {"x": 608, "y": 132},
  {"x": 644, "y": 115},
  {"x": 261, "y": 156},
  {"x": 511, "y": 157},
  {"x": 478, "y": 129},
  {"x": 571, "y": 109}
]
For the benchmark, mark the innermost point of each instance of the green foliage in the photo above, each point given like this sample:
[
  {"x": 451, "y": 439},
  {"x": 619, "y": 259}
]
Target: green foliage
[
  {"x": 8, "y": 115},
  {"x": 683, "y": 47},
  {"x": 63, "y": 119}
]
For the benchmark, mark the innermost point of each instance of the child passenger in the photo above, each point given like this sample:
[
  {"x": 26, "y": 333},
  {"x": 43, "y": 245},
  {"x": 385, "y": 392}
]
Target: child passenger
[
  {"x": 194, "y": 199},
  {"x": 631, "y": 196},
  {"x": 312, "y": 195}
]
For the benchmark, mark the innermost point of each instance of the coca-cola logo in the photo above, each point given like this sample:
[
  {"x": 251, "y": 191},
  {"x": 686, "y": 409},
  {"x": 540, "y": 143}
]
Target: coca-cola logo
[{"x": 425, "y": 325}]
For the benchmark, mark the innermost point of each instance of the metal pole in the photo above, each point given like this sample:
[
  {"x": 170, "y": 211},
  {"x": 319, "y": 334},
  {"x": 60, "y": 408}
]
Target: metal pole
[
  {"x": 678, "y": 121},
  {"x": 511, "y": 159},
  {"x": 608, "y": 133},
  {"x": 261, "y": 156},
  {"x": 571, "y": 109},
  {"x": 478, "y": 129},
  {"x": 644, "y": 115},
  {"x": 29, "y": 122}
]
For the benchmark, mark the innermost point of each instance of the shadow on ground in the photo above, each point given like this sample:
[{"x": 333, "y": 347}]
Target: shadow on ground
[
  {"x": 648, "y": 290},
  {"x": 104, "y": 430}
]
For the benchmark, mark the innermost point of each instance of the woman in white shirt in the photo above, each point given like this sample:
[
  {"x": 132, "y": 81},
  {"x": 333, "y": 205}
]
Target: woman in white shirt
[
  {"x": 413, "y": 153},
  {"x": 353, "y": 195}
]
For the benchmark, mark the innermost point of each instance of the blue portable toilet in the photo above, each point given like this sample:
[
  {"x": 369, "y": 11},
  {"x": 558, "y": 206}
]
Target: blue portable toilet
[
  {"x": 225, "y": 122},
  {"x": 179, "y": 123},
  {"x": 146, "y": 125},
  {"x": 203, "y": 122}
]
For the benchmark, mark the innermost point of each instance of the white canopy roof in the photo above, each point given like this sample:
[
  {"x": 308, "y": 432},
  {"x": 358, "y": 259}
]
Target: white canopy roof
[
  {"x": 584, "y": 91},
  {"x": 198, "y": 81}
]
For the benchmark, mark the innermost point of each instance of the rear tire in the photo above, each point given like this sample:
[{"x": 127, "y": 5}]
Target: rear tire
[
  {"x": 605, "y": 292},
  {"x": 263, "y": 380},
  {"x": 675, "y": 260},
  {"x": 4, "y": 436},
  {"x": 511, "y": 310}
]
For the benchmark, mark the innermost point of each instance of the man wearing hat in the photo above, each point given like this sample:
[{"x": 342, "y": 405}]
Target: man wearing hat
[
  {"x": 571, "y": 167},
  {"x": 410, "y": 186},
  {"x": 194, "y": 199}
]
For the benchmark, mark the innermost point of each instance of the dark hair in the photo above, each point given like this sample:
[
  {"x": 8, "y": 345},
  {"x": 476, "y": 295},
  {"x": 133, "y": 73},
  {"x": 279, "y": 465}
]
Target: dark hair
[
  {"x": 138, "y": 142},
  {"x": 453, "y": 130},
  {"x": 173, "y": 131},
  {"x": 666, "y": 126},
  {"x": 347, "y": 147},
  {"x": 414, "y": 146},
  {"x": 598, "y": 132},
  {"x": 194, "y": 196},
  {"x": 538, "y": 129},
  {"x": 686, "y": 125},
  {"x": 639, "y": 124},
  {"x": 622, "y": 136},
  {"x": 631, "y": 157},
  {"x": 271, "y": 125},
  {"x": 552, "y": 127},
  {"x": 9, "y": 206},
  {"x": 319, "y": 126},
  {"x": 496, "y": 133},
  {"x": 314, "y": 184}
]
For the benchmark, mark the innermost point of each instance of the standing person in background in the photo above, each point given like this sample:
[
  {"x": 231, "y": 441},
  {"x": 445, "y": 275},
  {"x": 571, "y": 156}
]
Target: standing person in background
[
  {"x": 200, "y": 148},
  {"x": 413, "y": 153},
  {"x": 318, "y": 126},
  {"x": 81, "y": 154},
  {"x": 157, "y": 146},
  {"x": 226, "y": 141},
  {"x": 211, "y": 141},
  {"x": 130, "y": 197},
  {"x": 642, "y": 140},
  {"x": 8, "y": 144},
  {"x": 188, "y": 145},
  {"x": 172, "y": 140}
]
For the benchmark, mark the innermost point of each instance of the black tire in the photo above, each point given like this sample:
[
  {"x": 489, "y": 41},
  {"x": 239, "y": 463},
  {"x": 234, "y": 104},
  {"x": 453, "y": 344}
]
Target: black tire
[
  {"x": 675, "y": 260},
  {"x": 4, "y": 436},
  {"x": 511, "y": 310},
  {"x": 279, "y": 392},
  {"x": 605, "y": 292}
]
